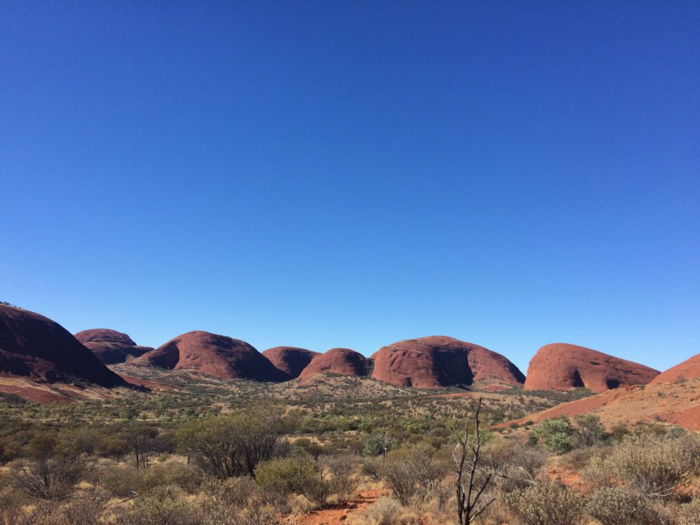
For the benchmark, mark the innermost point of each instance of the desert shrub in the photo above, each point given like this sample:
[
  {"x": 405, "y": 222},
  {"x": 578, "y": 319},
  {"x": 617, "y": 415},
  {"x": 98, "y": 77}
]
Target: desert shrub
[
  {"x": 232, "y": 445},
  {"x": 412, "y": 473},
  {"x": 126, "y": 480},
  {"x": 304, "y": 446},
  {"x": 162, "y": 505},
  {"x": 11, "y": 503},
  {"x": 689, "y": 513},
  {"x": 619, "y": 506},
  {"x": 557, "y": 435},
  {"x": 512, "y": 466},
  {"x": 651, "y": 465},
  {"x": 589, "y": 431},
  {"x": 84, "y": 508},
  {"x": 597, "y": 472},
  {"x": 384, "y": 511},
  {"x": 372, "y": 467},
  {"x": 619, "y": 432},
  {"x": 578, "y": 458},
  {"x": 546, "y": 503},
  {"x": 284, "y": 476},
  {"x": 341, "y": 482},
  {"x": 50, "y": 477},
  {"x": 188, "y": 477},
  {"x": 378, "y": 445},
  {"x": 234, "y": 492}
]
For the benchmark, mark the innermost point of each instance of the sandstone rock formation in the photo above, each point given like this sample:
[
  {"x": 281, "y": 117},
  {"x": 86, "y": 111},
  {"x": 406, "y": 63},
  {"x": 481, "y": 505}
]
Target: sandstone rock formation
[
  {"x": 561, "y": 366},
  {"x": 34, "y": 346},
  {"x": 110, "y": 346},
  {"x": 290, "y": 360},
  {"x": 431, "y": 362},
  {"x": 688, "y": 369},
  {"x": 341, "y": 361},
  {"x": 214, "y": 355}
]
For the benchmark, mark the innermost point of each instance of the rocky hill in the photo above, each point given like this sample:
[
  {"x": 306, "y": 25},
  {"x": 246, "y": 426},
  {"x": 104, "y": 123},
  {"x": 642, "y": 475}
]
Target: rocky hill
[
  {"x": 289, "y": 360},
  {"x": 432, "y": 362},
  {"x": 212, "y": 354},
  {"x": 560, "y": 366},
  {"x": 34, "y": 346},
  {"x": 110, "y": 347},
  {"x": 341, "y": 361}
]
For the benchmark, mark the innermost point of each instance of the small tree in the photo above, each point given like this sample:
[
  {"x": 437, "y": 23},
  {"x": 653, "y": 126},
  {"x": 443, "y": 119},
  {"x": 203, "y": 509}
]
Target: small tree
[
  {"x": 235, "y": 444},
  {"x": 142, "y": 443},
  {"x": 557, "y": 435},
  {"x": 50, "y": 473},
  {"x": 470, "y": 483}
]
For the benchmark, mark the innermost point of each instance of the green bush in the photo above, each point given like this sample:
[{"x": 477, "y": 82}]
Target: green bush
[
  {"x": 235, "y": 444},
  {"x": 557, "y": 435},
  {"x": 378, "y": 445},
  {"x": 284, "y": 476}
]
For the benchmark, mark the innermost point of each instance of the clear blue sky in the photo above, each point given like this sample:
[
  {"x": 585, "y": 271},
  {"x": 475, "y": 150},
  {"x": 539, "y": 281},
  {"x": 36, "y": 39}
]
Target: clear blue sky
[{"x": 351, "y": 174}]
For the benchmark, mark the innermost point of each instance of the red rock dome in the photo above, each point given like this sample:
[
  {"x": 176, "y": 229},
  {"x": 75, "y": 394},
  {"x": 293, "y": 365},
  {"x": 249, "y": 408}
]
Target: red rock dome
[
  {"x": 561, "y": 366},
  {"x": 688, "y": 369},
  {"x": 110, "y": 346},
  {"x": 290, "y": 360},
  {"x": 104, "y": 335},
  {"x": 432, "y": 362},
  {"x": 341, "y": 361},
  {"x": 214, "y": 355},
  {"x": 34, "y": 346}
]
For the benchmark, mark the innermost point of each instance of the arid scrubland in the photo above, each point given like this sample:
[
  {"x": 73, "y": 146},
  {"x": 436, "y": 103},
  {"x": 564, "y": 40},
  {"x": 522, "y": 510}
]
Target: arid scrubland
[{"x": 203, "y": 451}]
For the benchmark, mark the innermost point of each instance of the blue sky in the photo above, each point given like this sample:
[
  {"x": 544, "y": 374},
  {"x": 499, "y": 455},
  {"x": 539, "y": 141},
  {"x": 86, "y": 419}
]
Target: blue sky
[{"x": 326, "y": 174}]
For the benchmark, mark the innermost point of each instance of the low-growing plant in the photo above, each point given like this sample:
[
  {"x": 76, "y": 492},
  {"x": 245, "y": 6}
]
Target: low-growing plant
[
  {"x": 620, "y": 506},
  {"x": 546, "y": 503},
  {"x": 411, "y": 473},
  {"x": 293, "y": 475},
  {"x": 557, "y": 435}
]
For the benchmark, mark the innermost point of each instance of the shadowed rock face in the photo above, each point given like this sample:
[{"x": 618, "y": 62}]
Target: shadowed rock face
[
  {"x": 289, "y": 360},
  {"x": 561, "y": 366},
  {"x": 32, "y": 345},
  {"x": 688, "y": 369},
  {"x": 110, "y": 346},
  {"x": 214, "y": 355},
  {"x": 432, "y": 362},
  {"x": 341, "y": 361}
]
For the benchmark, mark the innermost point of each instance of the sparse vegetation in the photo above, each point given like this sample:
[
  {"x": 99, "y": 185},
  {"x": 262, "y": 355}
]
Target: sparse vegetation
[{"x": 215, "y": 452}]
